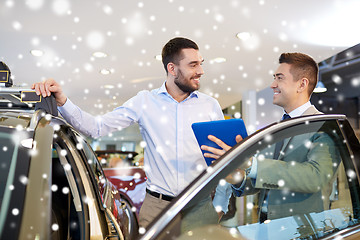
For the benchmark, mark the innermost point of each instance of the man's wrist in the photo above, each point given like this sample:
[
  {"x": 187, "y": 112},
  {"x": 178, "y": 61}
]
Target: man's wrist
[{"x": 61, "y": 101}]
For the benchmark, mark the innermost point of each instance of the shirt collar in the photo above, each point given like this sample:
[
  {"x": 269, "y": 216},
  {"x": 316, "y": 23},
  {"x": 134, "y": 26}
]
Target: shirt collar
[
  {"x": 300, "y": 110},
  {"x": 162, "y": 90}
]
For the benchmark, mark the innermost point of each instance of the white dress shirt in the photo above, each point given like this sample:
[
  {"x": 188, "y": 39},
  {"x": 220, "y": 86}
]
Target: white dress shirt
[
  {"x": 295, "y": 113},
  {"x": 253, "y": 172},
  {"x": 172, "y": 156}
]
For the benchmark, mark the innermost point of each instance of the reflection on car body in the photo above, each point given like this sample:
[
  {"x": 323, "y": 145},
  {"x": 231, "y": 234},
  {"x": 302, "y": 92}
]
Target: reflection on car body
[{"x": 337, "y": 211}]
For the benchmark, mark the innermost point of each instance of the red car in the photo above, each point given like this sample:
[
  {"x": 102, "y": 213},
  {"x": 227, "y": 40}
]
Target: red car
[{"x": 131, "y": 184}]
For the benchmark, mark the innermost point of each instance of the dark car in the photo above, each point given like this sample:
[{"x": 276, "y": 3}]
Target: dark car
[
  {"x": 297, "y": 206},
  {"x": 51, "y": 183}
]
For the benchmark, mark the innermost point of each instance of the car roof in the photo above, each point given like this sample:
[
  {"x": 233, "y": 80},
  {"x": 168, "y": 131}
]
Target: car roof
[{"x": 16, "y": 109}]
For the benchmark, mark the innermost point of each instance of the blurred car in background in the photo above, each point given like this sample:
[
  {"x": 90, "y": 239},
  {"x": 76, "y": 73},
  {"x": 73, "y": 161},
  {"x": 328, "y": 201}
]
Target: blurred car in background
[
  {"x": 51, "y": 183},
  {"x": 131, "y": 184},
  {"x": 129, "y": 179}
]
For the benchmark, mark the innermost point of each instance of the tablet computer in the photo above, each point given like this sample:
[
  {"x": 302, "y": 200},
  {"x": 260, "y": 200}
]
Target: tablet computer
[{"x": 225, "y": 130}]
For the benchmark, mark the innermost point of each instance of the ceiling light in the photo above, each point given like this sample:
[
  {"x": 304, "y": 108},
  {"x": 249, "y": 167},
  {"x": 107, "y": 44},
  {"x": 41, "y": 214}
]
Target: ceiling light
[
  {"x": 320, "y": 87},
  {"x": 99, "y": 54},
  {"x": 109, "y": 86},
  {"x": 158, "y": 57},
  {"x": 105, "y": 71},
  {"x": 243, "y": 35},
  {"x": 37, "y": 52},
  {"x": 219, "y": 60}
]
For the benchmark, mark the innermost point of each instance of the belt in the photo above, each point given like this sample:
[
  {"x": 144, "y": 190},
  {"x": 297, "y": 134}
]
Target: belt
[{"x": 159, "y": 195}]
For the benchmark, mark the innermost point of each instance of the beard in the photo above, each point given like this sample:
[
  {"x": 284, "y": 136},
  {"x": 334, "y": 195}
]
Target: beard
[{"x": 184, "y": 84}]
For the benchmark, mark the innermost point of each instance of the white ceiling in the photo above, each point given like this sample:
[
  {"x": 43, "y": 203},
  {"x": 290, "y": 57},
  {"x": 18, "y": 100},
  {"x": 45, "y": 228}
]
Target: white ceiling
[{"x": 132, "y": 33}]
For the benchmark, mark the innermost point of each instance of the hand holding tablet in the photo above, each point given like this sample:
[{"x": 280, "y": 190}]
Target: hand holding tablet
[{"x": 225, "y": 130}]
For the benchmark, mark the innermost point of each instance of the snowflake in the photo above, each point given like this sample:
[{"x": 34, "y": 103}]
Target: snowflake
[
  {"x": 307, "y": 144},
  {"x": 23, "y": 179},
  {"x": 218, "y": 208},
  {"x": 63, "y": 152},
  {"x": 281, "y": 183},
  {"x": 67, "y": 167},
  {"x": 199, "y": 168},
  {"x": 261, "y": 101},
  {"x": 56, "y": 127},
  {"x": 137, "y": 175},
  {"x": 222, "y": 182},
  {"x": 249, "y": 206},
  {"x": 61, "y": 7},
  {"x": 107, "y": 10},
  {"x": 209, "y": 169},
  {"x": 55, "y": 227},
  {"x": 65, "y": 190},
  {"x": 268, "y": 138},
  {"x": 337, "y": 79},
  {"x": 142, "y": 230},
  {"x": 351, "y": 173},
  {"x": 355, "y": 82},
  {"x": 15, "y": 211},
  {"x": 54, "y": 188}
]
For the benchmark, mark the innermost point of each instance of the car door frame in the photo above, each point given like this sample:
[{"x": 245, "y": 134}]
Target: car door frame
[{"x": 38, "y": 197}]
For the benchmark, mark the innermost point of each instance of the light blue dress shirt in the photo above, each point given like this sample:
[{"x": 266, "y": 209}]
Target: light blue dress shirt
[{"x": 172, "y": 156}]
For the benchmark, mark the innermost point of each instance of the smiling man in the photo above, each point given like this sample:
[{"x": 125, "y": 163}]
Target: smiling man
[
  {"x": 165, "y": 115},
  {"x": 310, "y": 181},
  {"x": 294, "y": 81}
]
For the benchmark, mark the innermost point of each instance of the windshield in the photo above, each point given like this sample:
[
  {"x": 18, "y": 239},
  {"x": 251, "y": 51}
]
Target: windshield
[
  {"x": 12, "y": 149},
  {"x": 304, "y": 191}
]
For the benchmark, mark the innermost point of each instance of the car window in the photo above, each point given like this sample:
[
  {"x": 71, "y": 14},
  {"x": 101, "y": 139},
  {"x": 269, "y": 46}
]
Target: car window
[
  {"x": 69, "y": 204},
  {"x": 311, "y": 190},
  {"x": 93, "y": 163},
  {"x": 15, "y": 146},
  {"x": 8, "y": 155}
]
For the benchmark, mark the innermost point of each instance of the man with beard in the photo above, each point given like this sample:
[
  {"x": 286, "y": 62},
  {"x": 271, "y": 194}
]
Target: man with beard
[{"x": 164, "y": 116}]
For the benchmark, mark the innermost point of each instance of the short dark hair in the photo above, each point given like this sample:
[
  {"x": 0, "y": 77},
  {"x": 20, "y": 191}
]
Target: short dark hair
[
  {"x": 171, "y": 52},
  {"x": 302, "y": 65}
]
